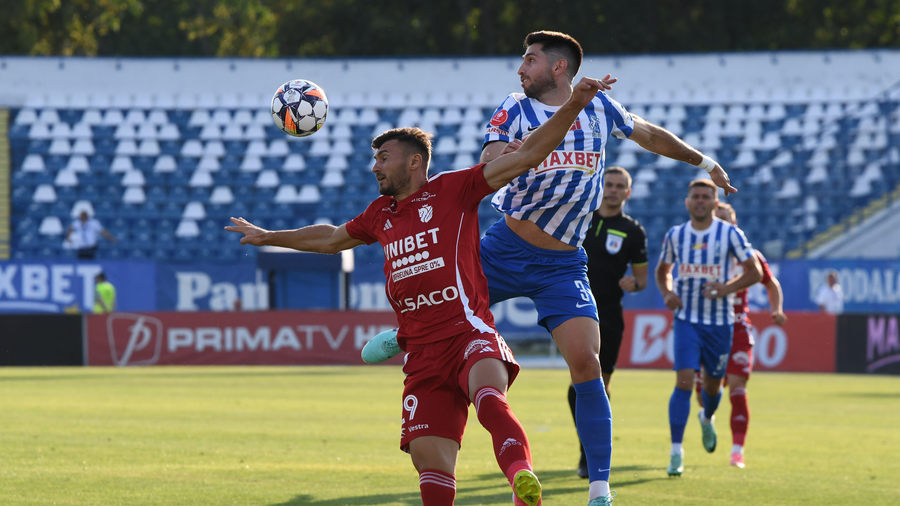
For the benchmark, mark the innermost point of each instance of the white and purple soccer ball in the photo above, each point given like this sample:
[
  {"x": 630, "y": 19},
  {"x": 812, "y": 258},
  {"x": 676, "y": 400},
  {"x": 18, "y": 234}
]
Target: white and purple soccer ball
[{"x": 299, "y": 107}]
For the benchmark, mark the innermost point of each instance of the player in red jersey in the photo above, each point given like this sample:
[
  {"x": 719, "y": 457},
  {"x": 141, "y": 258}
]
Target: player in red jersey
[
  {"x": 740, "y": 360},
  {"x": 428, "y": 227}
]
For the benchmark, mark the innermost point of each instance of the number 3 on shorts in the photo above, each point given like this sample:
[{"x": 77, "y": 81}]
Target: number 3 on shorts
[{"x": 583, "y": 290}]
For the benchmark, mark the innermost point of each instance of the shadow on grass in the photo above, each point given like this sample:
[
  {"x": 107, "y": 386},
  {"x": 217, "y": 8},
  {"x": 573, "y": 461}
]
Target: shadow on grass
[{"x": 489, "y": 494}]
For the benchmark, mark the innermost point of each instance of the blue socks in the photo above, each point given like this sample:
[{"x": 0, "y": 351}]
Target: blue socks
[
  {"x": 679, "y": 409},
  {"x": 710, "y": 404},
  {"x": 593, "y": 420}
]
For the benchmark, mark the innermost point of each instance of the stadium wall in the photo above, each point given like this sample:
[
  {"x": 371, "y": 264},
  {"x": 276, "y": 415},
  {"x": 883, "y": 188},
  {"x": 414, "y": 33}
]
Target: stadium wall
[{"x": 808, "y": 342}]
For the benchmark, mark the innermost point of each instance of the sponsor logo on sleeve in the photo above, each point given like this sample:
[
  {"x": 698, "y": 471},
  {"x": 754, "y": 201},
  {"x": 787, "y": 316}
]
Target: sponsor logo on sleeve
[{"x": 499, "y": 117}]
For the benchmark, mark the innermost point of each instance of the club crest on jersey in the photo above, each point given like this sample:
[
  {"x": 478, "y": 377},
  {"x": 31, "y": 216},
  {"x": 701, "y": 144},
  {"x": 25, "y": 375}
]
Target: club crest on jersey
[
  {"x": 596, "y": 126},
  {"x": 425, "y": 213},
  {"x": 614, "y": 243}
]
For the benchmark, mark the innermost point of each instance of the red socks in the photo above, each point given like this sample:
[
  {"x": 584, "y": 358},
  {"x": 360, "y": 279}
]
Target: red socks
[
  {"x": 740, "y": 415},
  {"x": 437, "y": 487},
  {"x": 510, "y": 442},
  {"x": 510, "y": 447}
]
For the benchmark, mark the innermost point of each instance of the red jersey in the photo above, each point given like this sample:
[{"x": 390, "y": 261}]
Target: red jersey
[
  {"x": 741, "y": 304},
  {"x": 432, "y": 260}
]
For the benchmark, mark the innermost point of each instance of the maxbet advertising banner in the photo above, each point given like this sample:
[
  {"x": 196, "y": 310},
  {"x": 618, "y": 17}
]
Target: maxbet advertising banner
[
  {"x": 806, "y": 342},
  {"x": 232, "y": 338}
]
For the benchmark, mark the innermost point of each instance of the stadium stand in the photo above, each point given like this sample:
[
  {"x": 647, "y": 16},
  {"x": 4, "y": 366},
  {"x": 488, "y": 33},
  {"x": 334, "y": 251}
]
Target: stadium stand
[{"x": 804, "y": 156}]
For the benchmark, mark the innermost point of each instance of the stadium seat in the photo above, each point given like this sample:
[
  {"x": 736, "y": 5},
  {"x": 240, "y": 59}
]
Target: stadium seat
[
  {"x": 187, "y": 228},
  {"x": 134, "y": 195},
  {"x": 44, "y": 194},
  {"x": 308, "y": 194},
  {"x": 133, "y": 178},
  {"x": 200, "y": 178},
  {"x": 279, "y": 147},
  {"x": 251, "y": 164},
  {"x": 267, "y": 179},
  {"x": 51, "y": 226},
  {"x": 294, "y": 162},
  {"x": 286, "y": 194},
  {"x": 34, "y": 163},
  {"x": 194, "y": 211}
]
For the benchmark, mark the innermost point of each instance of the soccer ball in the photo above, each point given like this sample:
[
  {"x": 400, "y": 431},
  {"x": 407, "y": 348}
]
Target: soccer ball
[{"x": 299, "y": 107}]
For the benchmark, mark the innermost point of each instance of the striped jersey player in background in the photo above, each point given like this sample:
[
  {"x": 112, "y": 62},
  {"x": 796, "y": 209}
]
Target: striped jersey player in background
[
  {"x": 547, "y": 213},
  {"x": 702, "y": 251},
  {"x": 740, "y": 360}
]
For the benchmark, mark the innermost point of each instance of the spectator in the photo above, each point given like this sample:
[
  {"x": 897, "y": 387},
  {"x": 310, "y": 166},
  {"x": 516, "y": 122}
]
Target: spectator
[
  {"x": 84, "y": 233},
  {"x": 830, "y": 298},
  {"x": 104, "y": 295}
]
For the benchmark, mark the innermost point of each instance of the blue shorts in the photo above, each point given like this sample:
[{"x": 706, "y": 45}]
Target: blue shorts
[
  {"x": 696, "y": 344},
  {"x": 555, "y": 280}
]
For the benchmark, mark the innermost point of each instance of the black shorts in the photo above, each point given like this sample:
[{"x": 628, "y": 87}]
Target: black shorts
[
  {"x": 86, "y": 253},
  {"x": 612, "y": 326}
]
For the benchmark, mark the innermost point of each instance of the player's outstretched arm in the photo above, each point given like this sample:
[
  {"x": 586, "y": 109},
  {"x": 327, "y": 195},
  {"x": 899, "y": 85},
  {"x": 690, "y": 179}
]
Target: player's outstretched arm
[
  {"x": 545, "y": 139},
  {"x": 658, "y": 140},
  {"x": 313, "y": 238}
]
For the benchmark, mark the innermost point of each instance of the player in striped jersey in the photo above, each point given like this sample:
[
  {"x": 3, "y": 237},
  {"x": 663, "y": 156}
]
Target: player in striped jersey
[
  {"x": 740, "y": 360},
  {"x": 702, "y": 251},
  {"x": 547, "y": 212}
]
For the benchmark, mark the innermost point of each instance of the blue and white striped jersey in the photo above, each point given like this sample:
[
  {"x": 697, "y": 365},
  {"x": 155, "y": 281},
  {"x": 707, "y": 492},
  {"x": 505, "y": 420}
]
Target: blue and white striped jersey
[
  {"x": 701, "y": 256},
  {"x": 560, "y": 194}
]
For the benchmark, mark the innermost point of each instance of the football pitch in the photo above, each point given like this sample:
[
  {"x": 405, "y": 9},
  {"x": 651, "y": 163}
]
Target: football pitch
[{"x": 329, "y": 436}]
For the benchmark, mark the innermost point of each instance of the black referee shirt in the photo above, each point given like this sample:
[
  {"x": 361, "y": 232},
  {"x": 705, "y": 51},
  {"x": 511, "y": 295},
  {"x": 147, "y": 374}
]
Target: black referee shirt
[{"x": 611, "y": 244}]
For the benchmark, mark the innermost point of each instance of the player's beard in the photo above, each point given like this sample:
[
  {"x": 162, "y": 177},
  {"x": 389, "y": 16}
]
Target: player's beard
[
  {"x": 394, "y": 185},
  {"x": 539, "y": 85}
]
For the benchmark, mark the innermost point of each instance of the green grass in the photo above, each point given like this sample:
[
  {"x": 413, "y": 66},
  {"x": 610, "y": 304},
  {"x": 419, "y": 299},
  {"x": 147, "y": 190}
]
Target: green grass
[{"x": 329, "y": 436}]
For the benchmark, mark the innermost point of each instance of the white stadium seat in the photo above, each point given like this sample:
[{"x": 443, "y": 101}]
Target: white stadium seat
[
  {"x": 193, "y": 211},
  {"x": 51, "y": 225},
  {"x": 44, "y": 193},
  {"x": 134, "y": 195}
]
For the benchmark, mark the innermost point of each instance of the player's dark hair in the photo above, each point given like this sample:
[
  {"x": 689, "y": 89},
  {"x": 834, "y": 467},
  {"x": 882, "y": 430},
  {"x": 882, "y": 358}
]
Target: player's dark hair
[
  {"x": 619, "y": 170},
  {"x": 705, "y": 183},
  {"x": 559, "y": 43},
  {"x": 413, "y": 137},
  {"x": 100, "y": 277}
]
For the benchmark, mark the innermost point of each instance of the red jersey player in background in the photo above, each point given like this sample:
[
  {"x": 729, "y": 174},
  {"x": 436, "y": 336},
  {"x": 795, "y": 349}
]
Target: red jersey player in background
[
  {"x": 428, "y": 227},
  {"x": 740, "y": 360}
]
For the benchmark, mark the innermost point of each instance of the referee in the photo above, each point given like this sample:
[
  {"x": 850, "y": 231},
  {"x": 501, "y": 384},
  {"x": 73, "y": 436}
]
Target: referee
[{"x": 613, "y": 241}]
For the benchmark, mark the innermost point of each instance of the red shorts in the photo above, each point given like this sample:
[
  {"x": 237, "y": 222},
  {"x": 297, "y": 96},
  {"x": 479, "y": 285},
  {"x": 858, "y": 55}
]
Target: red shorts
[
  {"x": 740, "y": 361},
  {"x": 436, "y": 388}
]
